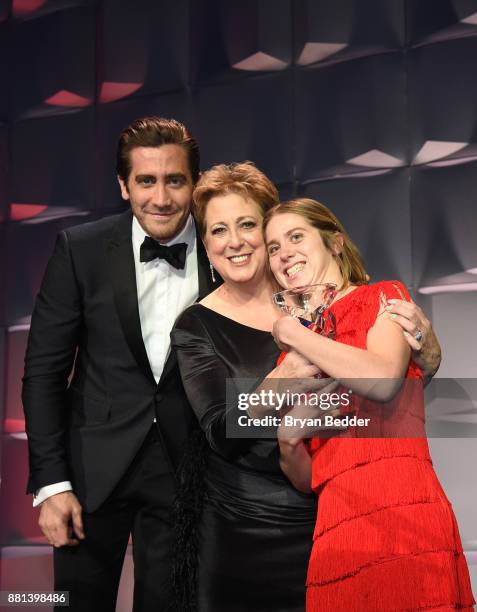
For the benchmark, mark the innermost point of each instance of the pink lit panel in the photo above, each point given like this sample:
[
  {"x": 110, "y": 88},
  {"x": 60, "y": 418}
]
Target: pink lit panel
[
  {"x": 20, "y": 212},
  {"x": 25, "y": 7},
  {"x": 111, "y": 91},
  {"x": 15, "y": 347},
  {"x": 26, "y": 568},
  {"x": 67, "y": 98},
  {"x": 19, "y": 524},
  {"x": 13, "y": 425}
]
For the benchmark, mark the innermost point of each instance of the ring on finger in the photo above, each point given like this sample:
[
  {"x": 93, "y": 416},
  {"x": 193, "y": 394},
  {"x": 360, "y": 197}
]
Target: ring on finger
[{"x": 418, "y": 335}]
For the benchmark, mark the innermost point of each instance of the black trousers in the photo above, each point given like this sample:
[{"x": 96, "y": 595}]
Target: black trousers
[{"x": 140, "y": 505}]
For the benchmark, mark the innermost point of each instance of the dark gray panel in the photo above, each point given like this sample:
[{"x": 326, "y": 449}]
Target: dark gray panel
[
  {"x": 444, "y": 222},
  {"x": 250, "y": 119},
  {"x": 4, "y": 10},
  {"x": 4, "y": 171},
  {"x": 227, "y": 36},
  {"x": 143, "y": 43},
  {"x": 4, "y": 262},
  {"x": 286, "y": 191},
  {"x": 52, "y": 60},
  {"x": 15, "y": 345},
  {"x": 19, "y": 519},
  {"x": 28, "y": 10},
  {"x": 353, "y": 28},
  {"x": 346, "y": 110},
  {"x": 5, "y": 69},
  {"x": 431, "y": 20},
  {"x": 2, "y": 377},
  {"x": 443, "y": 98},
  {"x": 28, "y": 247},
  {"x": 53, "y": 161}
]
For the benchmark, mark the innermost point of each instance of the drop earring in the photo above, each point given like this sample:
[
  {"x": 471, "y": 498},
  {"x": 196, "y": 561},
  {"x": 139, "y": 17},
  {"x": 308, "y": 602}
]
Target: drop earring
[{"x": 212, "y": 272}]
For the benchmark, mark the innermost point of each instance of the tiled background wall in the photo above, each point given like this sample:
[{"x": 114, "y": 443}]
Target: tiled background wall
[{"x": 368, "y": 105}]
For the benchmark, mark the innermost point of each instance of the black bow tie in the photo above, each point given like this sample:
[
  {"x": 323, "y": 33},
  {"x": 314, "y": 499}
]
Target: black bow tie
[{"x": 174, "y": 254}]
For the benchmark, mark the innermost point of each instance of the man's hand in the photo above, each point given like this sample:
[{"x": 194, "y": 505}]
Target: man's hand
[
  {"x": 60, "y": 519},
  {"x": 418, "y": 331}
]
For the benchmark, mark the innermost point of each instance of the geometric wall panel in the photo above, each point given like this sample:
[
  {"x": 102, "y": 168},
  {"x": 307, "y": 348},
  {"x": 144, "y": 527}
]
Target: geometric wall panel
[
  {"x": 15, "y": 347},
  {"x": 25, "y": 10},
  {"x": 250, "y": 125},
  {"x": 231, "y": 40},
  {"x": 27, "y": 568},
  {"x": 434, "y": 20},
  {"x": 52, "y": 161},
  {"x": 2, "y": 377},
  {"x": 453, "y": 315},
  {"x": 145, "y": 62},
  {"x": 3, "y": 259},
  {"x": 286, "y": 191},
  {"x": 5, "y": 71},
  {"x": 56, "y": 54},
  {"x": 345, "y": 29},
  {"x": 29, "y": 247},
  {"x": 342, "y": 130},
  {"x": 442, "y": 100},
  {"x": 444, "y": 223},
  {"x": 375, "y": 212},
  {"x": 3, "y": 171},
  {"x": 4, "y": 10},
  {"x": 19, "y": 523},
  {"x": 454, "y": 461}
]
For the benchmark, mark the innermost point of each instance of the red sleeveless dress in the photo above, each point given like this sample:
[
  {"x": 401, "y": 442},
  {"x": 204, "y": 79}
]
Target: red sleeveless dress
[{"x": 386, "y": 538}]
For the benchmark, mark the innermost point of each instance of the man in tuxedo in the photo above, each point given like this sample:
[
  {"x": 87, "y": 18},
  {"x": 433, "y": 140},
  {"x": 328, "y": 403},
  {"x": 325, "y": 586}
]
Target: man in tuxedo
[{"x": 104, "y": 447}]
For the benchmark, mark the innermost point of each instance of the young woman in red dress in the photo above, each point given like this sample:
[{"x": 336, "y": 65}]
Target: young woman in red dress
[{"x": 386, "y": 538}]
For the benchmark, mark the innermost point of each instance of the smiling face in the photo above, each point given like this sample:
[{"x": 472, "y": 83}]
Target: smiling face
[
  {"x": 159, "y": 189},
  {"x": 234, "y": 238},
  {"x": 297, "y": 253}
]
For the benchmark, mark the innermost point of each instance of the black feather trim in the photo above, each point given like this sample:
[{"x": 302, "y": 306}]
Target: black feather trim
[{"x": 187, "y": 511}]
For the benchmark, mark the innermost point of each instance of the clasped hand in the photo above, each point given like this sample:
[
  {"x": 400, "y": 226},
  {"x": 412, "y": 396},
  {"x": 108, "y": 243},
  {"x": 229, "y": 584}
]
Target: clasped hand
[
  {"x": 284, "y": 329},
  {"x": 305, "y": 418},
  {"x": 61, "y": 519}
]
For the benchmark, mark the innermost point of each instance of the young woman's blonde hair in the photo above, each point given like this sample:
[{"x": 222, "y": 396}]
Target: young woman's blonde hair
[{"x": 330, "y": 228}]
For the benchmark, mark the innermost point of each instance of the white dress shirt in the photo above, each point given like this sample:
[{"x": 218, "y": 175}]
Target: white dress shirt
[{"x": 163, "y": 292}]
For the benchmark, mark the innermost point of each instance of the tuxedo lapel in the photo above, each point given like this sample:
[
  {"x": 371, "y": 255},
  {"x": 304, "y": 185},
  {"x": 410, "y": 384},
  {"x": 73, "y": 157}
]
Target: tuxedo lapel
[{"x": 123, "y": 278}]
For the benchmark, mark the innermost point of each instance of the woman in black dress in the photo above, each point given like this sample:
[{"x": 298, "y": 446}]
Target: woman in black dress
[{"x": 255, "y": 529}]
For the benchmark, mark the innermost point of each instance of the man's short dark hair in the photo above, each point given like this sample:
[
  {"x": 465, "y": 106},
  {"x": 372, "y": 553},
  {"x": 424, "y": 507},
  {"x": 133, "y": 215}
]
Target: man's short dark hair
[{"x": 154, "y": 132}]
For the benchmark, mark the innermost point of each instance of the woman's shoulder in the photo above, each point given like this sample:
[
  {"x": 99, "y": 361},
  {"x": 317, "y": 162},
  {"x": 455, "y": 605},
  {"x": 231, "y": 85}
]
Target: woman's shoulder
[
  {"x": 199, "y": 318},
  {"x": 191, "y": 319},
  {"x": 192, "y": 329},
  {"x": 376, "y": 293},
  {"x": 374, "y": 298},
  {"x": 390, "y": 289}
]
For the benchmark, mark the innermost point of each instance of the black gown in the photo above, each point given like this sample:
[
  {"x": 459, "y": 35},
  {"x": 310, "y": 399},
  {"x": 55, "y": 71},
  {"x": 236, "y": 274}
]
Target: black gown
[{"x": 255, "y": 529}]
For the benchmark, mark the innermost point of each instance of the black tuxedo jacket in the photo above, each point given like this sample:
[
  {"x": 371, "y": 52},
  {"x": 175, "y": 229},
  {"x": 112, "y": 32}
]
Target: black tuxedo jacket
[{"x": 86, "y": 318}]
